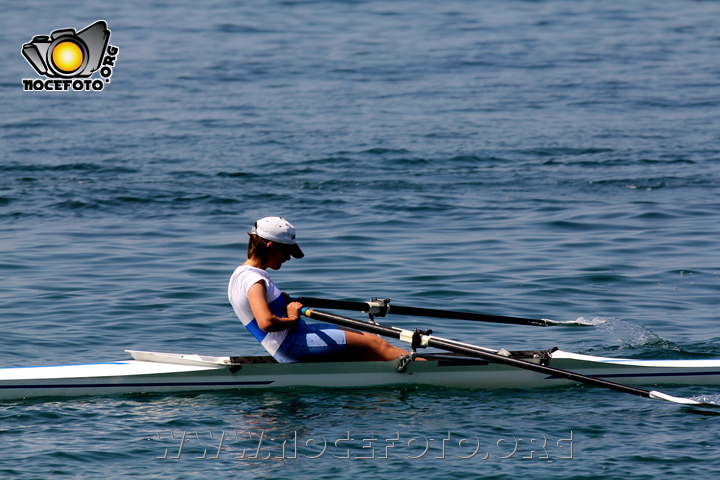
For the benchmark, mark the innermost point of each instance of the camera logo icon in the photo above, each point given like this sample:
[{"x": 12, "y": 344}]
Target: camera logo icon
[{"x": 66, "y": 54}]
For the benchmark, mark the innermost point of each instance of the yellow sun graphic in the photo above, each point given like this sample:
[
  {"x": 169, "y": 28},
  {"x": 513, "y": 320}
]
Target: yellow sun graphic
[{"x": 67, "y": 56}]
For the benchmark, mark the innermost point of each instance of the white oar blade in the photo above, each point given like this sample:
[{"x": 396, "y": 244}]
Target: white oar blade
[{"x": 664, "y": 396}]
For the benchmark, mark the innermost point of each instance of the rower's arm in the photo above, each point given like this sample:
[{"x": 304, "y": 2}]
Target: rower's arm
[{"x": 264, "y": 317}]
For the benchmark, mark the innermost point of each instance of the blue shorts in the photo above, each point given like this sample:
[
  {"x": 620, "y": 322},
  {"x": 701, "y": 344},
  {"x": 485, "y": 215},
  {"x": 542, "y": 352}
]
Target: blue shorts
[{"x": 309, "y": 342}]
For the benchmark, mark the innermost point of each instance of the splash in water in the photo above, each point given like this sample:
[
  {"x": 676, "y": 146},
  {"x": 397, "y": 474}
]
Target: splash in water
[
  {"x": 709, "y": 399},
  {"x": 626, "y": 334}
]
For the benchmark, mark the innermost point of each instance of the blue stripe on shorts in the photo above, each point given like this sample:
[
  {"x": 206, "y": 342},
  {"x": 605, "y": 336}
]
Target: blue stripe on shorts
[{"x": 310, "y": 342}]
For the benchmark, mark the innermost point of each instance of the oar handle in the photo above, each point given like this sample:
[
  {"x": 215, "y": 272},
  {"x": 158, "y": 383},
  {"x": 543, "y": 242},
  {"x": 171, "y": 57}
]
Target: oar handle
[
  {"x": 372, "y": 307},
  {"x": 334, "y": 304}
]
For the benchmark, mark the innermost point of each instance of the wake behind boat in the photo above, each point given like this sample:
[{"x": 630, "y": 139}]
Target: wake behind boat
[{"x": 150, "y": 372}]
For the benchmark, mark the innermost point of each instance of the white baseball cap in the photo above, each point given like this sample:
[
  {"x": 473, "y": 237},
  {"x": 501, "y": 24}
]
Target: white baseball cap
[{"x": 277, "y": 229}]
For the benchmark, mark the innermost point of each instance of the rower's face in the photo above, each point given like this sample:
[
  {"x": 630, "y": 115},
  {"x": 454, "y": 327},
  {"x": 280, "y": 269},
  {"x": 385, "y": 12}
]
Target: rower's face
[{"x": 280, "y": 255}]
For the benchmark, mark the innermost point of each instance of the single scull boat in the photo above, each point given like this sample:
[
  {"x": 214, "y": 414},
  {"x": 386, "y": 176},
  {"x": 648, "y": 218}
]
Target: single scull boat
[{"x": 150, "y": 372}]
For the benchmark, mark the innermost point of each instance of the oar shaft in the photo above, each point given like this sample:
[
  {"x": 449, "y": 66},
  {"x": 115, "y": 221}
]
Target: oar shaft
[
  {"x": 377, "y": 328},
  {"x": 463, "y": 348},
  {"x": 555, "y": 372},
  {"x": 419, "y": 312},
  {"x": 478, "y": 317}
]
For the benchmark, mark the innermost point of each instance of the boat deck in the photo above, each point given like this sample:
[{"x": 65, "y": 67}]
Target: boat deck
[{"x": 152, "y": 372}]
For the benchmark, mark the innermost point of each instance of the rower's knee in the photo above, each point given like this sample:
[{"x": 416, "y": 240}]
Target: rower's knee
[
  {"x": 386, "y": 350},
  {"x": 371, "y": 347}
]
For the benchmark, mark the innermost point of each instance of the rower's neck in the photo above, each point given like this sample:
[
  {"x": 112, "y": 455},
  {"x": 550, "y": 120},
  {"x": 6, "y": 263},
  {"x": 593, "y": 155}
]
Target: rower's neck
[{"x": 253, "y": 262}]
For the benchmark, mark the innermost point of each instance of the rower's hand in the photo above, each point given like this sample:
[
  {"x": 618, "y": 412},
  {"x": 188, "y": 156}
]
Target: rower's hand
[{"x": 294, "y": 309}]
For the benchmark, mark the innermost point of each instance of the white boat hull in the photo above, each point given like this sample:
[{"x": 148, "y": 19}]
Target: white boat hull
[{"x": 162, "y": 373}]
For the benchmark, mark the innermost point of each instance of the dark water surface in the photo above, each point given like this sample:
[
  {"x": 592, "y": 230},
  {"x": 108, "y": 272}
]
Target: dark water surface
[{"x": 550, "y": 159}]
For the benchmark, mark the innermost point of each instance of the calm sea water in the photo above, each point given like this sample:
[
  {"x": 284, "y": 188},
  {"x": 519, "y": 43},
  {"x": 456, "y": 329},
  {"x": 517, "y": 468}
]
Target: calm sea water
[{"x": 547, "y": 159}]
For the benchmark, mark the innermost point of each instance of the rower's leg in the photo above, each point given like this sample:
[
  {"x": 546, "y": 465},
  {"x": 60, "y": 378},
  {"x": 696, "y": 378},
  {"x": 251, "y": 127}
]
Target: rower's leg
[{"x": 366, "y": 346}]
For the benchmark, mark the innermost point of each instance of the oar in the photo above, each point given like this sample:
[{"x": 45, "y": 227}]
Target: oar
[
  {"x": 423, "y": 339},
  {"x": 381, "y": 307}
]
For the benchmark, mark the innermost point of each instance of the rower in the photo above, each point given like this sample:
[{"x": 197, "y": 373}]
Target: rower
[{"x": 277, "y": 324}]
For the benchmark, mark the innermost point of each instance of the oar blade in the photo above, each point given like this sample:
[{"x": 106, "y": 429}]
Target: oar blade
[{"x": 682, "y": 401}]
